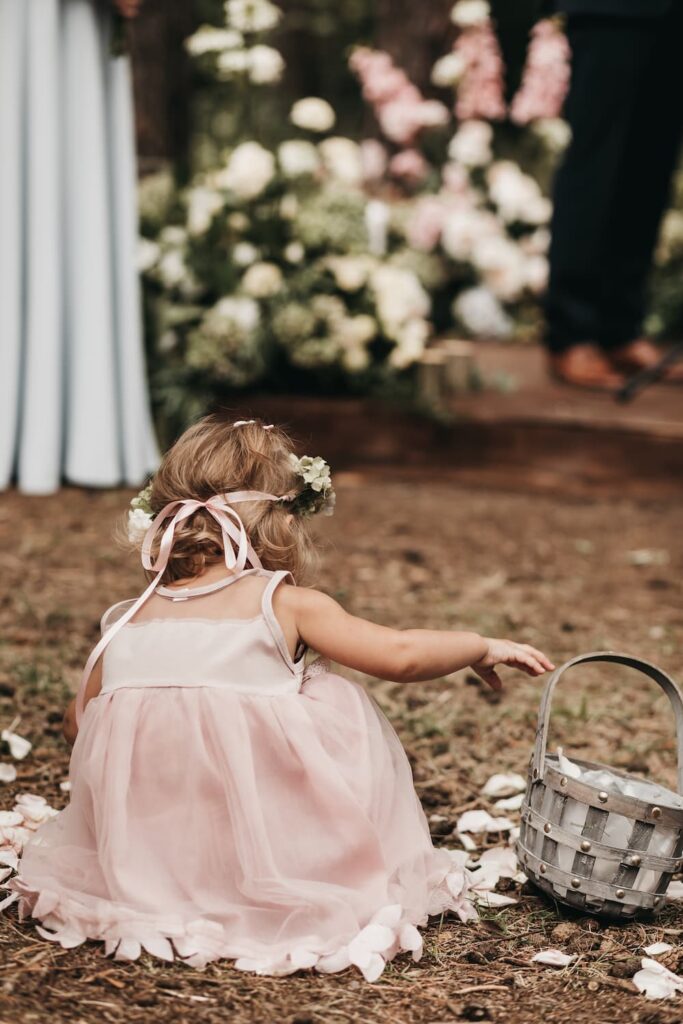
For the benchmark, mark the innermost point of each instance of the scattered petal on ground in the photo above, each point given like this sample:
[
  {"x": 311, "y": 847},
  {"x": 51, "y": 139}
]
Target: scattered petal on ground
[
  {"x": 510, "y": 803},
  {"x": 65, "y": 786},
  {"x": 553, "y": 957},
  {"x": 8, "y": 773},
  {"x": 18, "y": 746},
  {"x": 504, "y": 785},
  {"x": 657, "y": 948},
  {"x": 656, "y": 981},
  {"x": 482, "y": 821}
]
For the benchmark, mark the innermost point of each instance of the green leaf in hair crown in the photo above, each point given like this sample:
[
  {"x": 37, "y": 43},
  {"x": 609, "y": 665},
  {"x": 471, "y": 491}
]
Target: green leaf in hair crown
[{"x": 317, "y": 493}]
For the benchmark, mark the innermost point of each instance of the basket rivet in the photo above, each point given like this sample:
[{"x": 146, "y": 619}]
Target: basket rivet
[
  {"x": 576, "y": 882},
  {"x": 547, "y": 828},
  {"x": 634, "y": 861},
  {"x": 656, "y": 901},
  {"x": 585, "y": 846},
  {"x": 563, "y": 781},
  {"x": 603, "y": 796},
  {"x": 656, "y": 812},
  {"x": 620, "y": 894},
  {"x": 542, "y": 868}
]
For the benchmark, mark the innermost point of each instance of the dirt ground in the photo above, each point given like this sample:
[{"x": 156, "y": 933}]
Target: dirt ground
[{"x": 566, "y": 575}]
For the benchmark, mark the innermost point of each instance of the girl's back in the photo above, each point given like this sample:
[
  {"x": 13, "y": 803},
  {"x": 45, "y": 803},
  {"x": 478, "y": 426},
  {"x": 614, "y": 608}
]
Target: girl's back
[{"x": 226, "y": 802}]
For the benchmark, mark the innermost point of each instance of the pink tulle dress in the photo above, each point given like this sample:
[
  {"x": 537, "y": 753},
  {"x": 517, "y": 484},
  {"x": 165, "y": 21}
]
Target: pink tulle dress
[{"x": 227, "y": 801}]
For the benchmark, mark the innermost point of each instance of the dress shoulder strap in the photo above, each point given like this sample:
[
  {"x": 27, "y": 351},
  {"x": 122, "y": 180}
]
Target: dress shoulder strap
[
  {"x": 114, "y": 613},
  {"x": 272, "y": 621}
]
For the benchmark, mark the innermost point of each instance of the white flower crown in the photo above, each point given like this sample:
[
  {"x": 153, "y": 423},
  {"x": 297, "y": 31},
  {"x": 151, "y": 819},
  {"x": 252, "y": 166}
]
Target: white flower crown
[{"x": 316, "y": 496}]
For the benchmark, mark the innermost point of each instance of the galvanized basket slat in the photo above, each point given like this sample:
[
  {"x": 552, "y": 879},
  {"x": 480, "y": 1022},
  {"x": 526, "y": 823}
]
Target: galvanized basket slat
[{"x": 562, "y": 845}]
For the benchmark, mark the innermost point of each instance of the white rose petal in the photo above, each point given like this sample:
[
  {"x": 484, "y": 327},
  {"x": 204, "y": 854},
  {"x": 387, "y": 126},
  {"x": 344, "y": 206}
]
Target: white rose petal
[
  {"x": 65, "y": 786},
  {"x": 18, "y": 746},
  {"x": 482, "y": 821},
  {"x": 657, "y": 948},
  {"x": 510, "y": 803},
  {"x": 313, "y": 114},
  {"x": 566, "y": 766},
  {"x": 553, "y": 957},
  {"x": 656, "y": 981},
  {"x": 8, "y": 773},
  {"x": 504, "y": 785}
]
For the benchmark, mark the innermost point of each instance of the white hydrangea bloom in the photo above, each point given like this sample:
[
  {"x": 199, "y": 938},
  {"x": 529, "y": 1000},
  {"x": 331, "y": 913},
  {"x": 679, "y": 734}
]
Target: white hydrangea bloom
[
  {"x": 203, "y": 204},
  {"x": 343, "y": 160},
  {"x": 249, "y": 170},
  {"x": 471, "y": 144},
  {"x": 172, "y": 268},
  {"x": 400, "y": 298},
  {"x": 313, "y": 114},
  {"x": 294, "y": 252},
  {"x": 411, "y": 341},
  {"x": 448, "y": 70},
  {"x": 480, "y": 312},
  {"x": 298, "y": 157},
  {"x": 262, "y": 280},
  {"x": 467, "y": 13},
  {"x": 554, "y": 132},
  {"x": 242, "y": 311},
  {"x": 350, "y": 272},
  {"x": 232, "y": 62},
  {"x": 252, "y": 15},
  {"x": 265, "y": 65},
  {"x": 139, "y": 523},
  {"x": 209, "y": 39},
  {"x": 147, "y": 254},
  {"x": 244, "y": 253}
]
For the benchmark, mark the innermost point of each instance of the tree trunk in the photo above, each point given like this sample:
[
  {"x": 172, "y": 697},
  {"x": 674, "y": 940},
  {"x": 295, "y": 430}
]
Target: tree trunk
[{"x": 162, "y": 83}]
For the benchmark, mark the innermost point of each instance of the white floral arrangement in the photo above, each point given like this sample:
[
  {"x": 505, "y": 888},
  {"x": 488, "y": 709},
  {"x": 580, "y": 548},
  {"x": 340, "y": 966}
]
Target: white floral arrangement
[
  {"x": 140, "y": 516},
  {"x": 317, "y": 494}
]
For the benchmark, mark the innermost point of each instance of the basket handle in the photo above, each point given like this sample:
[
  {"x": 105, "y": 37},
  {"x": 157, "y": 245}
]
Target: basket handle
[{"x": 665, "y": 682}]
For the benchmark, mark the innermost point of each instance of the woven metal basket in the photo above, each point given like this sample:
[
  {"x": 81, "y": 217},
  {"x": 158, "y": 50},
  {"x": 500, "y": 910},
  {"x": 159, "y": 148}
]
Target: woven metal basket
[{"x": 567, "y": 823}]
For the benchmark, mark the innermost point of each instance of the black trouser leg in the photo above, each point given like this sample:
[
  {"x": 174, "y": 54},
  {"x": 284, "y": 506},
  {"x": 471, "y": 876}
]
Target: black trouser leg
[
  {"x": 611, "y": 61},
  {"x": 643, "y": 189}
]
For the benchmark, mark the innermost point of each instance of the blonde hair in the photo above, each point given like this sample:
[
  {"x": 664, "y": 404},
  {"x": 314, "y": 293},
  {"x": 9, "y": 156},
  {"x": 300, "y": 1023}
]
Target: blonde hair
[{"x": 214, "y": 457}]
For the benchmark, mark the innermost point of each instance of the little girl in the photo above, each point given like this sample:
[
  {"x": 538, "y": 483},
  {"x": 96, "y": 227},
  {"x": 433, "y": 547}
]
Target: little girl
[{"x": 226, "y": 799}]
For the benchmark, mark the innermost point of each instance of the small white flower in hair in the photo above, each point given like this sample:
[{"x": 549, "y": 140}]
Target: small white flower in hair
[{"x": 243, "y": 423}]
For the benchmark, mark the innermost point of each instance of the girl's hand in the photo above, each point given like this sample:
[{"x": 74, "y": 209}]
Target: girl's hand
[
  {"x": 506, "y": 652},
  {"x": 128, "y": 8}
]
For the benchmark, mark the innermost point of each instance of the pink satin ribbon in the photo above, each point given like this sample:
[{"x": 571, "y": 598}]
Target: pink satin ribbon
[{"x": 239, "y": 554}]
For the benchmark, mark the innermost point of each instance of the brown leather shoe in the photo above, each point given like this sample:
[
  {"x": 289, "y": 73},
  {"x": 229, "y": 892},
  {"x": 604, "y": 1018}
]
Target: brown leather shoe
[
  {"x": 585, "y": 366},
  {"x": 643, "y": 354}
]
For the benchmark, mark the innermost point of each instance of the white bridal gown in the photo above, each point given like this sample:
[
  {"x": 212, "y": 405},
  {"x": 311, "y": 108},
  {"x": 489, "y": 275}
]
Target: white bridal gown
[{"x": 73, "y": 395}]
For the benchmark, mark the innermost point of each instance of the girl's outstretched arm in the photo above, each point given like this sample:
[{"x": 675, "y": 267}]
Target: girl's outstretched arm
[{"x": 402, "y": 655}]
